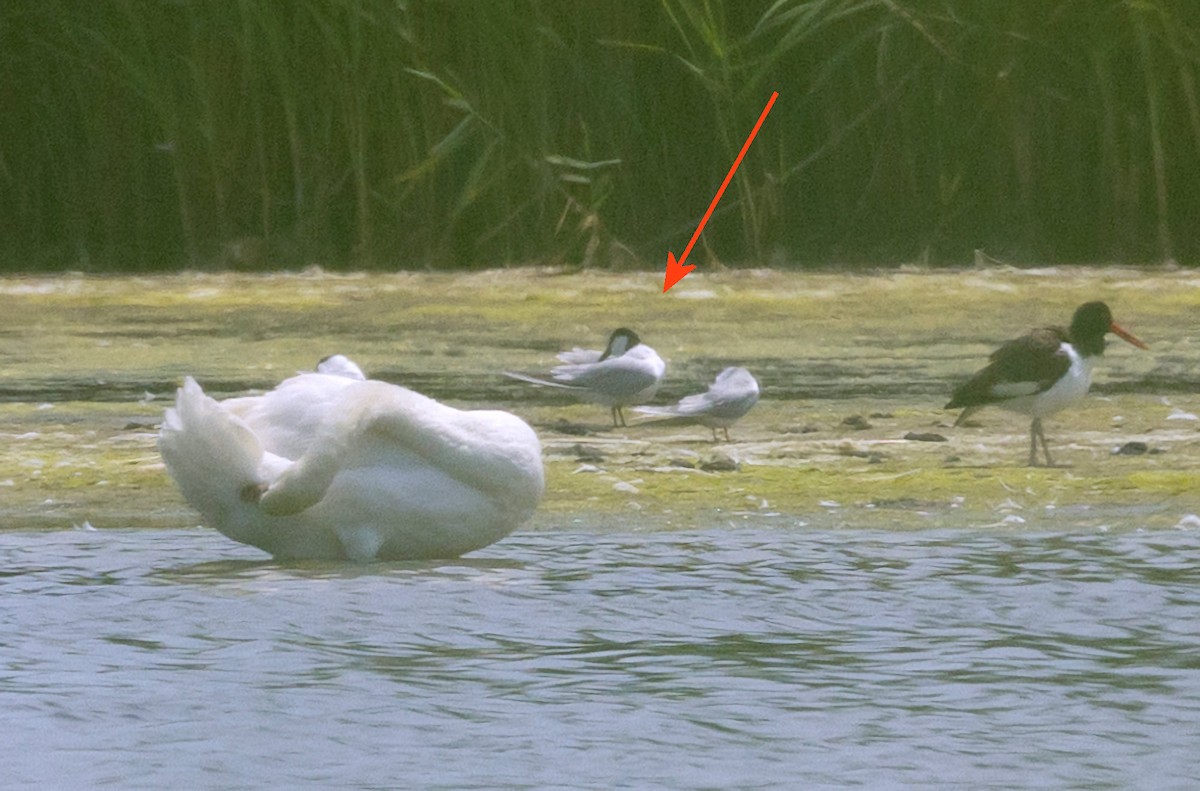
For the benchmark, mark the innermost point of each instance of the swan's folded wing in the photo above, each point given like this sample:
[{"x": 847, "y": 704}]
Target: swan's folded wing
[
  {"x": 288, "y": 418},
  {"x": 494, "y": 452}
]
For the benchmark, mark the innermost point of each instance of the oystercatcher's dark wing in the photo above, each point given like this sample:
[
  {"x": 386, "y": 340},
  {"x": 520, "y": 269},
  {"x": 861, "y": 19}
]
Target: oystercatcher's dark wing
[{"x": 1024, "y": 366}]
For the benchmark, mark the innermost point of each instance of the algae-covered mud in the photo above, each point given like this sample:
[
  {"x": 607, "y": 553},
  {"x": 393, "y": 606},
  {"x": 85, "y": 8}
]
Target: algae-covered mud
[{"x": 849, "y": 430}]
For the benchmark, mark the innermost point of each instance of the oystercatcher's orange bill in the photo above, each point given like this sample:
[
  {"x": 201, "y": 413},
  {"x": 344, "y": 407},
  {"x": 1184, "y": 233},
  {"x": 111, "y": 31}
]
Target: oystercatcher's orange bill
[{"x": 1126, "y": 335}]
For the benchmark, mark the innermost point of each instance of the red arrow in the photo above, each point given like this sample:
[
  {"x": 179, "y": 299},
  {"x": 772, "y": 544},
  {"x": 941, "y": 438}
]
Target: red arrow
[{"x": 676, "y": 270}]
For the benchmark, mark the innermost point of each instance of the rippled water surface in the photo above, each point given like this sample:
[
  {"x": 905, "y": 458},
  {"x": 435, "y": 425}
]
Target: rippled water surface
[{"x": 781, "y": 657}]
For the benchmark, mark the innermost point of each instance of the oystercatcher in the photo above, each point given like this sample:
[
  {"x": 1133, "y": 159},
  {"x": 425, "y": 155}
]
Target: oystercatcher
[{"x": 1042, "y": 372}]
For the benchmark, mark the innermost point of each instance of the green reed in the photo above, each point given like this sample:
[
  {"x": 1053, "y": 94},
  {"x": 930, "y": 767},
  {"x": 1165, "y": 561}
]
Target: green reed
[{"x": 385, "y": 133}]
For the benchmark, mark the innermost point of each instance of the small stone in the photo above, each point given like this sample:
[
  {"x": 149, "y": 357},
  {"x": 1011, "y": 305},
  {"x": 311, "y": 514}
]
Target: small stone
[
  {"x": 564, "y": 426},
  {"x": 1133, "y": 448},
  {"x": 872, "y": 456},
  {"x": 925, "y": 436},
  {"x": 586, "y": 453},
  {"x": 720, "y": 463},
  {"x": 856, "y": 422}
]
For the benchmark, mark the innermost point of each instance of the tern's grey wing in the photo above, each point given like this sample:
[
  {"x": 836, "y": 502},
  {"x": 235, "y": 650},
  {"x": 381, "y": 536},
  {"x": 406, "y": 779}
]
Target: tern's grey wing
[
  {"x": 724, "y": 405},
  {"x": 734, "y": 405},
  {"x": 616, "y": 377},
  {"x": 733, "y": 394},
  {"x": 695, "y": 405},
  {"x": 737, "y": 377},
  {"x": 535, "y": 380},
  {"x": 579, "y": 356}
]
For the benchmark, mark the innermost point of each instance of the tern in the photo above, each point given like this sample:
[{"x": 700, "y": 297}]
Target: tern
[
  {"x": 340, "y": 365},
  {"x": 727, "y": 400},
  {"x": 626, "y": 373}
]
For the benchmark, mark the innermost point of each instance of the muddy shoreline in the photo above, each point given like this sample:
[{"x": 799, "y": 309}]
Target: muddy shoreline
[{"x": 849, "y": 364}]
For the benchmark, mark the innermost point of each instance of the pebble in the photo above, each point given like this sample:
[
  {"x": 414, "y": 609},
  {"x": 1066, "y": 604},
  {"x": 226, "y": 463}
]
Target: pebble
[
  {"x": 925, "y": 436},
  {"x": 586, "y": 453},
  {"x": 1133, "y": 448},
  {"x": 564, "y": 426},
  {"x": 720, "y": 463},
  {"x": 856, "y": 422}
]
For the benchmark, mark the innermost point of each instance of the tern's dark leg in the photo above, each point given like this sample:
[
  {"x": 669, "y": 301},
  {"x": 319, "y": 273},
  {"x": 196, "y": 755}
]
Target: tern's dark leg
[
  {"x": 726, "y": 430},
  {"x": 618, "y": 417}
]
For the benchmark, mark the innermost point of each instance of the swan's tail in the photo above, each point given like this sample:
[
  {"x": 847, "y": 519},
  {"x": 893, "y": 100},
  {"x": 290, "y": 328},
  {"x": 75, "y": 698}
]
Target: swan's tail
[{"x": 212, "y": 455}]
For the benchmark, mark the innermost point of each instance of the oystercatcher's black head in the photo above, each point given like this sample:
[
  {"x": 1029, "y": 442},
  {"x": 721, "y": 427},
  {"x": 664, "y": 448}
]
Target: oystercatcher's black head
[
  {"x": 1089, "y": 325},
  {"x": 622, "y": 340}
]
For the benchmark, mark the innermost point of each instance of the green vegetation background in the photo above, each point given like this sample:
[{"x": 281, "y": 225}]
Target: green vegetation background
[{"x": 158, "y": 134}]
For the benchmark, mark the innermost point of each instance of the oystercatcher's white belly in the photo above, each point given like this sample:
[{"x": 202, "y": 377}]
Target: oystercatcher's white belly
[{"x": 1070, "y": 388}]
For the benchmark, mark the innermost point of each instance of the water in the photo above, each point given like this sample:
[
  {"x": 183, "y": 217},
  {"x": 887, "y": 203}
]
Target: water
[
  {"x": 1035, "y": 639},
  {"x": 742, "y": 658}
]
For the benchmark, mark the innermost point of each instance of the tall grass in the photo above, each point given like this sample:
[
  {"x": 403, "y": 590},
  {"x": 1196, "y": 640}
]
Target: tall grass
[{"x": 142, "y": 134}]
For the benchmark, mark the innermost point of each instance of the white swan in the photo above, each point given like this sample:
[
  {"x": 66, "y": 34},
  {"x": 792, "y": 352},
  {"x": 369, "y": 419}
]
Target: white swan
[{"x": 331, "y": 466}]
